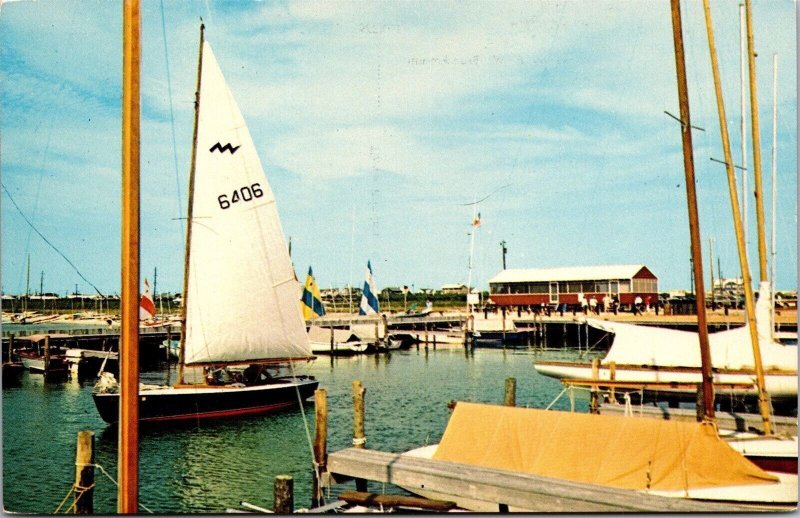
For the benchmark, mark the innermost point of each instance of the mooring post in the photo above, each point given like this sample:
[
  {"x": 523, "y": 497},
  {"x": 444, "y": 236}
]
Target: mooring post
[
  {"x": 10, "y": 346},
  {"x": 83, "y": 500},
  {"x": 283, "y": 495},
  {"x": 612, "y": 374},
  {"x": 46, "y": 354},
  {"x": 169, "y": 343},
  {"x": 385, "y": 328},
  {"x": 426, "y": 335},
  {"x": 503, "y": 311},
  {"x": 511, "y": 392},
  {"x": 331, "y": 340},
  {"x": 377, "y": 335},
  {"x": 359, "y": 438},
  {"x": 320, "y": 445},
  {"x": 594, "y": 401}
]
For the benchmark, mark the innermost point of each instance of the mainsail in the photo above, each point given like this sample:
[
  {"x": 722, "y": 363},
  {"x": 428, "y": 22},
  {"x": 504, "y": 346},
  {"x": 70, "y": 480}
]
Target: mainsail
[
  {"x": 311, "y": 300},
  {"x": 241, "y": 299},
  {"x": 369, "y": 298}
]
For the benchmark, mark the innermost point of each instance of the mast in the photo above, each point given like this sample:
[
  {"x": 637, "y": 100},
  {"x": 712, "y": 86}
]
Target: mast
[
  {"x": 694, "y": 223},
  {"x": 763, "y": 402},
  {"x": 754, "y": 127},
  {"x": 128, "y": 462},
  {"x": 711, "y": 269},
  {"x": 184, "y": 298},
  {"x": 743, "y": 120},
  {"x": 774, "y": 184},
  {"x": 27, "y": 285}
]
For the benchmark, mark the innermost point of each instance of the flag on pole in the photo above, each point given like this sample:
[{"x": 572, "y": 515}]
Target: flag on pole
[
  {"x": 369, "y": 299},
  {"x": 477, "y": 221},
  {"x": 311, "y": 301},
  {"x": 147, "y": 309}
]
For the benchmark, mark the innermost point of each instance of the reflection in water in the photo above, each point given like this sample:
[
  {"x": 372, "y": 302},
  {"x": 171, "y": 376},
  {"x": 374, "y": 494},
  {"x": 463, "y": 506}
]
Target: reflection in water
[{"x": 206, "y": 467}]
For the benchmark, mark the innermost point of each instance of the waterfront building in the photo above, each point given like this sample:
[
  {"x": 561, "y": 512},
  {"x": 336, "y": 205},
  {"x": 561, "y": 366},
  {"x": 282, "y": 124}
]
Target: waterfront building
[{"x": 570, "y": 285}]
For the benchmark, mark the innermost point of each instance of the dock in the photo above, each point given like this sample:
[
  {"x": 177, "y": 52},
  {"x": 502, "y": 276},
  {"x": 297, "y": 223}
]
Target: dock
[{"x": 501, "y": 490}]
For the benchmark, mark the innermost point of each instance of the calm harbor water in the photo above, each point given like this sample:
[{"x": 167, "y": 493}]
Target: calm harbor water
[{"x": 216, "y": 465}]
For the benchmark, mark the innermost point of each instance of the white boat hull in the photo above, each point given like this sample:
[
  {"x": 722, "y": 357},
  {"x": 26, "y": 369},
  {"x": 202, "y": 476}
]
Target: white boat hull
[{"x": 778, "y": 385}]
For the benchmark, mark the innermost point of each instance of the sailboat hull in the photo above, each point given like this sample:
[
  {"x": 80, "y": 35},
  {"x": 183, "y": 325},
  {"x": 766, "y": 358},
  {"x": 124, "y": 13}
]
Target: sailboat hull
[{"x": 174, "y": 404}]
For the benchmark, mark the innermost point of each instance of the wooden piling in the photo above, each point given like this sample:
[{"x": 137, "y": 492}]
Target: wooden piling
[
  {"x": 84, "y": 474},
  {"x": 612, "y": 372},
  {"x": 46, "y": 354},
  {"x": 283, "y": 495},
  {"x": 594, "y": 401},
  {"x": 320, "y": 445},
  {"x": 426, "y": 335},
  {"x": 511, "y": 392},
  {"x": 10, "y": 346},
  {"x": 503, "y": 311},
  {"x": 331, "y": 341},
  {"x": 359, "y": 438}
]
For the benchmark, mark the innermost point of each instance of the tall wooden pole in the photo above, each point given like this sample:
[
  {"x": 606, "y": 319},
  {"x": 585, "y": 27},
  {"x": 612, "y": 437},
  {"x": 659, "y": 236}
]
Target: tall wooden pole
[
  {"x": 128, "y": 463},
  {"x": 694, "y": 222},
  {"x": 763, "y": 401},
  {"x": 754, "y": 127}
]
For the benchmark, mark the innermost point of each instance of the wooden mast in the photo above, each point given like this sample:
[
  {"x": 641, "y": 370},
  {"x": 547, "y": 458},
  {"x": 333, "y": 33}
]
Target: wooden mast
[
  {"x": 763, "y": 402},
  {"x": 128, "y": 461},
  {"x": 754, "y": 127},
  {"x": 190, "y": 209},
  {"x": 694, "y": 223}
]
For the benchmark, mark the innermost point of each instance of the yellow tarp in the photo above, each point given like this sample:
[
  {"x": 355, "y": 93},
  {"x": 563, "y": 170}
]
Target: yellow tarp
[{"x": 607, "y": 450}]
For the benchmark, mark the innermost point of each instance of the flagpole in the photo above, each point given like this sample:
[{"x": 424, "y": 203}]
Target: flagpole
[{"x": 471, "y": 250}]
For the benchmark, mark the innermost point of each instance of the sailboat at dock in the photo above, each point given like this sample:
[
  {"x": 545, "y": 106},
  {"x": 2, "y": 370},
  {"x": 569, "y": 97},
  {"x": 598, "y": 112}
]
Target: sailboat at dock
[{"x": 242, "y": 324}]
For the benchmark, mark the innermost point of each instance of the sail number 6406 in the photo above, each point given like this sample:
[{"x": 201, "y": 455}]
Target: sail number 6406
[{"x": 243, "y": 194}]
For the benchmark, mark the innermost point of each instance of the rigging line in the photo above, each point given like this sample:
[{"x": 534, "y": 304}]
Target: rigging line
[
  {"x": 47, "y": 241},
  {"x": 485, "y": 197},
  {"x": 171, "y": 116}
]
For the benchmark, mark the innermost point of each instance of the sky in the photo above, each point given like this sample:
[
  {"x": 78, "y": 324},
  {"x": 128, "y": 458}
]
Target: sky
[{"x": 379, "y": 123}]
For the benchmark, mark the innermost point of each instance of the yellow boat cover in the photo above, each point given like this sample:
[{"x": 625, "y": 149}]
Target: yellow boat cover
[{"x": 613, "y": 451}]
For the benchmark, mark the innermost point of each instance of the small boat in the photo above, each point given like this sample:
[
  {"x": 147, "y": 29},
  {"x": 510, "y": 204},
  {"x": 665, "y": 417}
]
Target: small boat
[
  {"x": 495, "y": 332},
  {"x": 40, "y": 357},
  {"x": 336, "y": 342},
  {"x": 244, "y": 331},
  {"x": 667, "y": 458},
  {"x": 646, "y": 354}
]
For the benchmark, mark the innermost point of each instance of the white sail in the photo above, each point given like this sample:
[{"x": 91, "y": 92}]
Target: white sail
[{"x": 242, "y": 292}]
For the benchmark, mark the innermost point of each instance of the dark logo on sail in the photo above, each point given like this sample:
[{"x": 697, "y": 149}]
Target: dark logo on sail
[{"x": 222, "y": 149}]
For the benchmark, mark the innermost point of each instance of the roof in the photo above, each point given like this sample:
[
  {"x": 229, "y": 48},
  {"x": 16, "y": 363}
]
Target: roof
[
  {"x": 453, "y": 286},
  {"x": 569, "y": 273}
]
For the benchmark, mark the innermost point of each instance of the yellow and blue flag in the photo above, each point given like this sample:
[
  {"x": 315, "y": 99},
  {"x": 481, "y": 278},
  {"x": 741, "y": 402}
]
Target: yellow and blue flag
[{"x": 311, "y": 300}]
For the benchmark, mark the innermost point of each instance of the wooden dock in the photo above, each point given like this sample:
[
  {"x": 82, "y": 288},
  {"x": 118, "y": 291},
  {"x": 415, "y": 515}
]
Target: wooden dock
[{"x": 501, "y": 490}]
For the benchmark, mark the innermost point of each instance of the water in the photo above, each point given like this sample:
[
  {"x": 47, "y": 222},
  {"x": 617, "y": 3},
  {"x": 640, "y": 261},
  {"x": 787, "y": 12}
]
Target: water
[{"x": 214, "y": 466}]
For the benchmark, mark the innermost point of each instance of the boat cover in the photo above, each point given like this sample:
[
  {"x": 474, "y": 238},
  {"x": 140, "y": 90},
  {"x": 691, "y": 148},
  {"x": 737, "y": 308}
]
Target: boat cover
[
  {"x": 612, "y": 451},
  {"x": 732, "y": 349}
]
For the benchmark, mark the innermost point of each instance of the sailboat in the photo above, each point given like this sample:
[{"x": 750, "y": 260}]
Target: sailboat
[{"x": 243, "y": 326}]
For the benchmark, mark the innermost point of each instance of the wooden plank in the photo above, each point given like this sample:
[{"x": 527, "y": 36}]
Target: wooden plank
[
  {"x": 499, "y": 487},
  {"x": 371, "y": 499}
]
